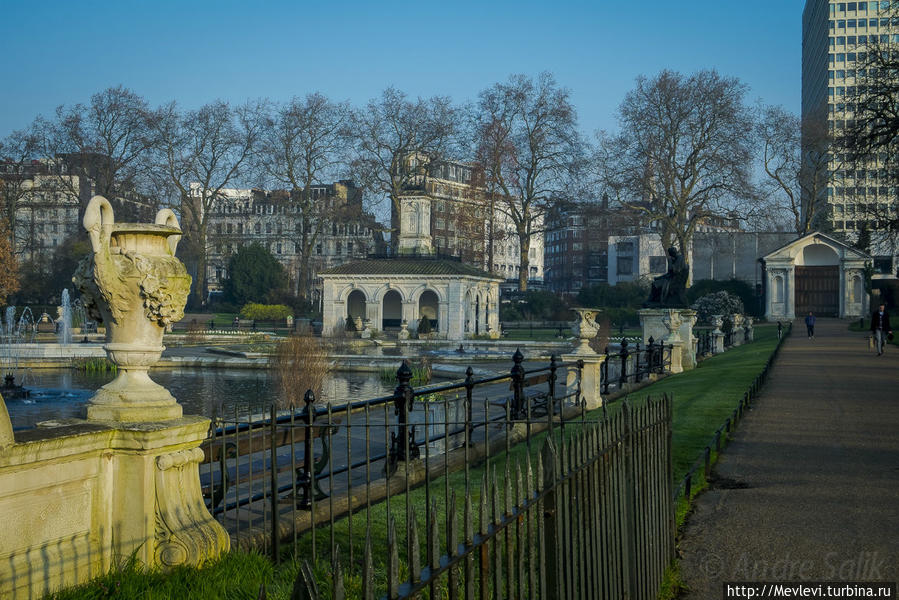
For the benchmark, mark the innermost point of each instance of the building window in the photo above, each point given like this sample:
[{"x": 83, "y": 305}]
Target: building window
[{"x": 625, "y": 265}]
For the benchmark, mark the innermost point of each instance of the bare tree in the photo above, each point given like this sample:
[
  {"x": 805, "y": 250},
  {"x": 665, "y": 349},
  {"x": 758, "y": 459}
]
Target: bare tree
[
  {"x": 684, "y": 152},
  {"x": 16, "y": 152},
  {"x": 203, "y": 152},
  {"x": 796, "y": 158},
  {"x": 527, "y": 143},
  {"x": 9, "y": 272},
  {"x": 397, "y": 139},
  {"x": 107, "y": 141},
  {"x": 301, "y": 144}
]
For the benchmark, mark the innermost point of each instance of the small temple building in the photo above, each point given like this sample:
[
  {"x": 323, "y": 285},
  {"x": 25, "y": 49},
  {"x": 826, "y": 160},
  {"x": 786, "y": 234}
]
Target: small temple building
[{"x": 393, "y": 294}]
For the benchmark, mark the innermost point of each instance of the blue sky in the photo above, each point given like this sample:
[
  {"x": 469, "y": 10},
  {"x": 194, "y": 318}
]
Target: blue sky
[{"x": 58, "y": 52}]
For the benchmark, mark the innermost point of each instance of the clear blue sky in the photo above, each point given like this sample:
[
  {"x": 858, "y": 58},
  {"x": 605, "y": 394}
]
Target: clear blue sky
[{"x": 57, "y": 52}]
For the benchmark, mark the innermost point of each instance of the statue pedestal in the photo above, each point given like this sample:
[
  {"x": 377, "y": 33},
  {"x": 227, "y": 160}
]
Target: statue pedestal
[
  {"x": 585, "y": 329},
  {"x": 673, "y": 326},
  {"x": 591, "y": 378}
]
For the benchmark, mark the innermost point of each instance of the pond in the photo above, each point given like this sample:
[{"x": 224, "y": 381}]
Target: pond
[{"x": 59, "y": 394}]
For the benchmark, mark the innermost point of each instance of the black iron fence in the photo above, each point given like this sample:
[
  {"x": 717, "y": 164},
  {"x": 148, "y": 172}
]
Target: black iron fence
[
  {"x": 497, "y": 487},
  {"x": 214, "y": 326},
  {"x": 634, "y": 364},
  {"x": 704, "y": 342}
]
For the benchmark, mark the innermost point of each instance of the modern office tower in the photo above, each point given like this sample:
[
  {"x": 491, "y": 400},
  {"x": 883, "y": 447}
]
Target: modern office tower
[{"x": 854, "y": 195}]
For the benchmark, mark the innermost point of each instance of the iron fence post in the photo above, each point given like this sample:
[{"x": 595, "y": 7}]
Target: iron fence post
[
  {"x": 580, "y": 375},
  {"x": 469, "y": 390},
  {"x": 637, "y": 373},
  {"x": 553, "y": 365},
  {"x": 403, "y": 447},
  {"x": 307, "y": 417},
  {"x": 276, "y": 537},
  {"x": 605, "y": 372},
  {"x": 622, "y": 380},
  {"x": 517, "y": 383}
]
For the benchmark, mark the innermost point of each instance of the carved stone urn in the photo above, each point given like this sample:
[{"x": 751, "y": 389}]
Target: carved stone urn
[
  {"x": 135, "y": 285},
  {"x": 717, "y": 321},
  {"x": 585, "y": 329}
]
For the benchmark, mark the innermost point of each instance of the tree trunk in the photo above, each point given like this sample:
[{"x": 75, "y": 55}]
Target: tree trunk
[
  {"x": 199, "y": 291},
  {"x": 525, "y": 264}
]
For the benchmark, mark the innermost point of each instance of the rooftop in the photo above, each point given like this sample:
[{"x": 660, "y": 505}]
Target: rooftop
[{"x": 407, "y": 266}]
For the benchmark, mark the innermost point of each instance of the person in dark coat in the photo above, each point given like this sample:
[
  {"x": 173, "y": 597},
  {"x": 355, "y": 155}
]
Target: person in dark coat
[
  {"x": 880, "y": 327},
  {"x": 810, "y": 325}
]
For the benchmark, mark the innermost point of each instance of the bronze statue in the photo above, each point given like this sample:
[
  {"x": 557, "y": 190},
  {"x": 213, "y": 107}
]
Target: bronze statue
[{"x": 670, "y": 290}]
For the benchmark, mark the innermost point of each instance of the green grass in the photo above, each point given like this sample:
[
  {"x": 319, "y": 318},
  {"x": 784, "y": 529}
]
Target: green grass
[{"x": 703, "y": 399}]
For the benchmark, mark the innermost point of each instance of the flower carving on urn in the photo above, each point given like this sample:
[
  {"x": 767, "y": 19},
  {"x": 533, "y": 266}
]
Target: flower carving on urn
[
  {"x": 135, "y": 285},
  {"x": 585, "y": 329}
]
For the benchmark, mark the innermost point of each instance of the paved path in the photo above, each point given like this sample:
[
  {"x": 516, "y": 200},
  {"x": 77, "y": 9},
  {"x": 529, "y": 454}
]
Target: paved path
[{"x": 819, "y": 458}]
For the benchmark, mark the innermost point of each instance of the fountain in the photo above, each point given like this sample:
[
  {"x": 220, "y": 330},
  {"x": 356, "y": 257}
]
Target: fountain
[
  {"x": 13, "y": 334},
  {"x": 64, "y": 331},
  {"x": 135, "y": 285}
]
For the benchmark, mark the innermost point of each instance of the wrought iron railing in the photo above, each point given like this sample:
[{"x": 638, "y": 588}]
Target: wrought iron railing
[{"x": 464, "y": 489}]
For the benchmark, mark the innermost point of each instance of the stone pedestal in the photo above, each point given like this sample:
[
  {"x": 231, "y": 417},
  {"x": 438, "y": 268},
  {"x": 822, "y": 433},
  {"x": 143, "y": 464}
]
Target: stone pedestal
[
  {"x": 673, "y": 326},
  {"x": 717, "y": 334},
  {"x": 585, "y": 329},
  {"x": 750, "y": 330},
  {"x": 81, "y": 497},
  {"x": 737, "y": 320},
  {"x": 366, "y": 330},
  {"x": 591, "y": 378},
  {"x": 157, "y": 504},
  {"x": 404, "y": 331}
]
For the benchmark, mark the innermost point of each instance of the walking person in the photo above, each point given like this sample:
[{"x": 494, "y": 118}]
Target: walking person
[
  {"x": 880, "y": 327},
  {"x": 810, "y": 325},
  {"x": 780, "y": 330}
]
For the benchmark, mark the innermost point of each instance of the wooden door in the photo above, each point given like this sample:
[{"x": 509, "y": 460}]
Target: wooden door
[{"x": 818, "y": 290}]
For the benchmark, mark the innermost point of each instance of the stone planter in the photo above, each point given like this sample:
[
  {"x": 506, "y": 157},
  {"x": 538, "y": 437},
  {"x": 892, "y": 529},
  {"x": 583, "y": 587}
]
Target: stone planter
[{"x": 135, "y": 285}]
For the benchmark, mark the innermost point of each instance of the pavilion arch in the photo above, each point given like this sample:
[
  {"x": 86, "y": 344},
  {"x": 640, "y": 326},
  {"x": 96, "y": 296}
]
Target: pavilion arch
[
  {"x": 415, "y": 296},
  {"x": 429, "y": 306},
  {"x": 391, "y": 303},
  {"x": 356, "y": 304},
  {"x": 344, "y": 294},
  {"x": 378, "y": 295}
]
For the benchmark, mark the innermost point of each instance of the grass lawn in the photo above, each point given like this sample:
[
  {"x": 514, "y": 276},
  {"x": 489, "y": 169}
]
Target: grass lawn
[{"x": 703, "y": 399}]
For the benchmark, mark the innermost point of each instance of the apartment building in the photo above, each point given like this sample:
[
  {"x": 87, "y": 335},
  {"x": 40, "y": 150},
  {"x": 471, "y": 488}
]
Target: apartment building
[
  {"x": 469, "y": 222},
  {"x": 274, "y": 219},
  {"x": 836, "y": 37}
]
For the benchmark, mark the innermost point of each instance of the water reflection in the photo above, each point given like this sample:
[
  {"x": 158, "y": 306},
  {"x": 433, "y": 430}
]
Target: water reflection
[{"x": 59, "y": 394}]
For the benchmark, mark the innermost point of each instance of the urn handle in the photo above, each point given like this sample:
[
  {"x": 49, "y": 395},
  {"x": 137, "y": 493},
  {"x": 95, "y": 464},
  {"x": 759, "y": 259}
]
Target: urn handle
[
  {"x": 98, "y": 221},
  {"x": 165, "y": 216}
]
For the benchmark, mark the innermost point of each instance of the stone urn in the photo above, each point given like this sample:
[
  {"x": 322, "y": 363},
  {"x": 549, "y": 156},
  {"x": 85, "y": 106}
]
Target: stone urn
[
  {"x": 585, "y": 329},
  {"x": 135, "y": 285},
  {"x": 717, "y": 321},
  {"x": 404, "y": 330}
]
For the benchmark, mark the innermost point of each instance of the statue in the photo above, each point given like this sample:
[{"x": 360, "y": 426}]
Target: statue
[{"x": 669, "y": 290}]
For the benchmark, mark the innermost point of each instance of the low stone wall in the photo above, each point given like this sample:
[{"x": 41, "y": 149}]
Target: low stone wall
[{"x": 82, "y": 497}]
